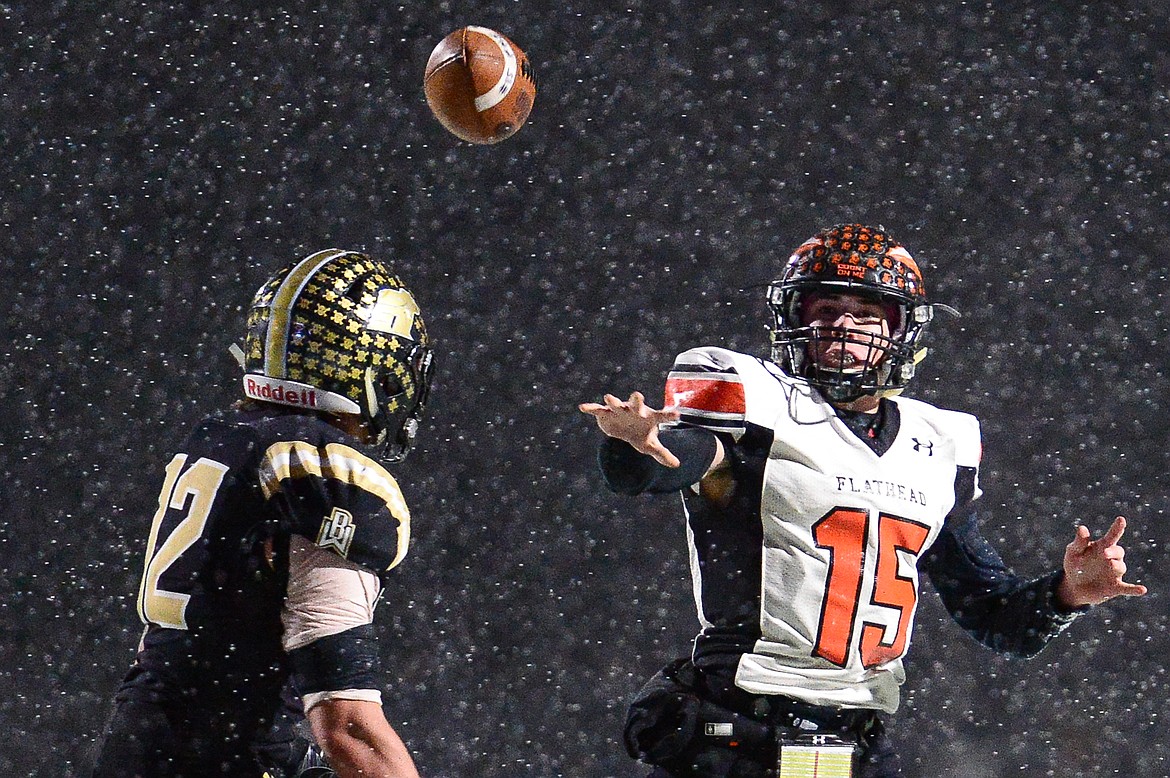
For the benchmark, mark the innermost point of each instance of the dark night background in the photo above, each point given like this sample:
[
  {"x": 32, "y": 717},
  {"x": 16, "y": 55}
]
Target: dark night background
[{"x": 160, "y": 159}]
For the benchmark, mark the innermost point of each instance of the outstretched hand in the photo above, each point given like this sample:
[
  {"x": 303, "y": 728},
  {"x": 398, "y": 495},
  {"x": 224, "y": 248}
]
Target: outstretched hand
[
  {"x": 635, "y": 422},
  {"x": 1094, "y": 569}
]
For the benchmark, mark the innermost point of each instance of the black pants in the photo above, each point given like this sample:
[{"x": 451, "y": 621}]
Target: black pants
[
  {"x": 144, "y": 740},
  {"x": 777, "y": 714}
]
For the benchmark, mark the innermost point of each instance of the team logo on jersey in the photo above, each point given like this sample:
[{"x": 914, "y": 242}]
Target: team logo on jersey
[
  {"x": 337, "y": 531},
  {"x": 927, "y": 446}
]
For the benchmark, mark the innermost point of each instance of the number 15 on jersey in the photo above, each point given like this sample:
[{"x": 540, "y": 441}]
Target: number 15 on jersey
[{"x": 844, "y": 533}]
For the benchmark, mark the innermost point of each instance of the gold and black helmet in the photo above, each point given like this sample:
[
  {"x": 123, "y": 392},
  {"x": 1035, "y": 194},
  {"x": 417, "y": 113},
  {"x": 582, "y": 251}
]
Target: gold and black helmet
[{"x": 337, "y": 332}]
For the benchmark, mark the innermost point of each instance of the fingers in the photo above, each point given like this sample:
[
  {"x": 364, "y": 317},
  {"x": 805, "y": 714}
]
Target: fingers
[
  {"x": 1081, "y": 542},
  {"x": 1115, "y": 531},
  {"x": 609, "y": 403},
  {"x": 635, "y": 404},
  {"x": 664, "y": 457},
  {"x": 1131, "y": 590}
]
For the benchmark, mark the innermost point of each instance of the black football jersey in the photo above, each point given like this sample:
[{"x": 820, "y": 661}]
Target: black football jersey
[{"x": 216, "y": 565}]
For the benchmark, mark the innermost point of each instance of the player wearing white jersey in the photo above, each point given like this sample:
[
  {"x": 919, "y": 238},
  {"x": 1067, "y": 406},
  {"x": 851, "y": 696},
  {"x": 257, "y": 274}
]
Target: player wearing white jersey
[{"x": 815, "y": 496}]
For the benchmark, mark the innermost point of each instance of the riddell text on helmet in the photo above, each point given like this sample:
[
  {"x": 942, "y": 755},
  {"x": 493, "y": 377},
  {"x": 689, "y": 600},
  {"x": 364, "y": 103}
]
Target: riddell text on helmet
[
  {"x": 279, "y": 394},
  {"x": 296, "y": 394}
]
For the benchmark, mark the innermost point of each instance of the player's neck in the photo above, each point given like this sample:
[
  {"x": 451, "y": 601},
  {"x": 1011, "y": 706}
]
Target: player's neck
[
  {"x": 351, "y": 424},
  {"x": 864, "y": 404}
]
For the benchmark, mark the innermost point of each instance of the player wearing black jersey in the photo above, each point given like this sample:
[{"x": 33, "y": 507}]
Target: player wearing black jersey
[
  {"x": 815, "y": 495},
  {"x": 273, "y": 533}
]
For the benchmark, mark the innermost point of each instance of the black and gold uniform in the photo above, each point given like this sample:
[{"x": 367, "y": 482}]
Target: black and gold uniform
[{"x": 265, "y": 558}]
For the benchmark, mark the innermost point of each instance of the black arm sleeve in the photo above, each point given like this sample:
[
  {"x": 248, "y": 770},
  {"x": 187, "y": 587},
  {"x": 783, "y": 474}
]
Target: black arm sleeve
[
  {"x": 347, "y": 660},
  {"x": 1001, "y": 610},
  {"x": 627, "y": 471}
]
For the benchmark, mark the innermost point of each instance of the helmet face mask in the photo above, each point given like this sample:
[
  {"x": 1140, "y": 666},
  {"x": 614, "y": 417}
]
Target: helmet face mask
[
  {"x": 397, "y": 405},
  {"x": 849, "y": 362},
  {"x": 337, "y": 332}
]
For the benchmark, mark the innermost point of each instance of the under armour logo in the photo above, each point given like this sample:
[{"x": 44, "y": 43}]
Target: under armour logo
[
  {"x": 337, "y": 531},
  {"x": 928, "y": 446}
]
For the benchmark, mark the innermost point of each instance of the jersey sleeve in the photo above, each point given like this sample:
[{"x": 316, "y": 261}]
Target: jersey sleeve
[
  {"x": 1000, "y": 609},
  {"x": 326, "y": 616},
  {"x": 339, "y": 499},
  {"x": 706, "y": 387}
]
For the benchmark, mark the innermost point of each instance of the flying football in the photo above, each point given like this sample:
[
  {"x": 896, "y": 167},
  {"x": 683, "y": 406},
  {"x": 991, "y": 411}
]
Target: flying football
[{"x": 479, "y": 85}]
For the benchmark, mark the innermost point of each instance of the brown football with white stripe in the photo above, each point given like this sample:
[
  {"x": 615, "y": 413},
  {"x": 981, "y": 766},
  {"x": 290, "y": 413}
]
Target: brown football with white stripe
[{"x": 479, "y": 85}]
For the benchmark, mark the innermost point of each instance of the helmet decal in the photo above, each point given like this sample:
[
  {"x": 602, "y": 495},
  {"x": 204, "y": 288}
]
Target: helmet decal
[
  {"x": 395, "y": 312},
  {"x": 280, "y": 307},
  {"x": 854, "y": 254}
]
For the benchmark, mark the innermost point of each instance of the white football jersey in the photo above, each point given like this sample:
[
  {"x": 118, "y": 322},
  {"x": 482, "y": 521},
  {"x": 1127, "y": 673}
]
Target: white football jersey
[{"x": 810, "y": 575}]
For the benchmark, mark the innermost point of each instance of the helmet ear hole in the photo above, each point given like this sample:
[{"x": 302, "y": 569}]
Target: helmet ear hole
[{"x": 390, "y": 384}]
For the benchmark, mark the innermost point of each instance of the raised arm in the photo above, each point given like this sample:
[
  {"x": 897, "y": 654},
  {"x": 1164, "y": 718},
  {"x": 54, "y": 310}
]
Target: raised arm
[
  {"x": 1012, "y": 614},
  {"x": 637, "y": 456}
]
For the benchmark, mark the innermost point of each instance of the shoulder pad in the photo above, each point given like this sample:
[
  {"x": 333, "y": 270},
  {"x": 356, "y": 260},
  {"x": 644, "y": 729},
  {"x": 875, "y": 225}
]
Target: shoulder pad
[
  {"x": 962, "y": 428},
  {"x": 339, "y": 498},
  {"x": 968, "y": 440},
  {"x": 706, "y": 385}
]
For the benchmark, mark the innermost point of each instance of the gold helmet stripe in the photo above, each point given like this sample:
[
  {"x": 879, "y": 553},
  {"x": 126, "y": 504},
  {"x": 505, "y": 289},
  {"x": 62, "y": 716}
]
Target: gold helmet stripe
[{"x": 280, "y": 316}]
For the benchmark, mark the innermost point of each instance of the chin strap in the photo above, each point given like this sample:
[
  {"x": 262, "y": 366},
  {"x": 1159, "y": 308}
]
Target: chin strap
[
  {"x": 918, "y": 357},
  {"x": 237, "y": 354}
]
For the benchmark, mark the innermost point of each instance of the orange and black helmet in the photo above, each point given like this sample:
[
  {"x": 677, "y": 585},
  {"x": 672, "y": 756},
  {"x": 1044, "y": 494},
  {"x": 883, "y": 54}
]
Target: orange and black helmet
[
  {"x": 338, "y": 332},
  {"x": 859, "y": 260}
]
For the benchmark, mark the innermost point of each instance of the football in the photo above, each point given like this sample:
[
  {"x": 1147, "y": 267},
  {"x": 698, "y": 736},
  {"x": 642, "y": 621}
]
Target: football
[{"x": 479, "y": 85}]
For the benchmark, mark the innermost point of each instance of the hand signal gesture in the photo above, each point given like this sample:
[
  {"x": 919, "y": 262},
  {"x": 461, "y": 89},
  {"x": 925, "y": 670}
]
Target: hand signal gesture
[
  {"x": 635, "y": 422},
  {"x": 1094, "y": 569}
]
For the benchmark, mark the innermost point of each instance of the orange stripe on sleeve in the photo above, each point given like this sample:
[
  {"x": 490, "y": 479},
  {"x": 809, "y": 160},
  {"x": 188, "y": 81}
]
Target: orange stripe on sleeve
[{"x": 713, "y": 394}]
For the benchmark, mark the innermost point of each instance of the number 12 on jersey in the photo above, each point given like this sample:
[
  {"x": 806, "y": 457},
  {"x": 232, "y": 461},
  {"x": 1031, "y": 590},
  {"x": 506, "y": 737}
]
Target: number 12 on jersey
[
  {"x": 844, "y": 533},
  {"x": 194, "y": 489}
]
